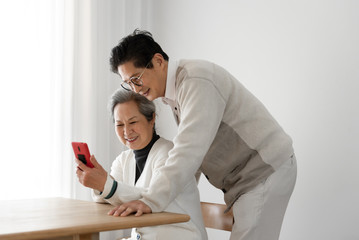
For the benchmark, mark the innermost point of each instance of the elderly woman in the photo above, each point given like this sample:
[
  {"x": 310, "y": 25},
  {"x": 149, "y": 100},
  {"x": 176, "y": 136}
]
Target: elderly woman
[{"x": 133, "y": 170}]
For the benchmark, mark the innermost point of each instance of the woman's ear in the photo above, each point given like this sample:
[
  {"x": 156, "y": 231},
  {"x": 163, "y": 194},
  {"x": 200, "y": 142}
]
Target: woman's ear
[{"x": 153, "y": 121}]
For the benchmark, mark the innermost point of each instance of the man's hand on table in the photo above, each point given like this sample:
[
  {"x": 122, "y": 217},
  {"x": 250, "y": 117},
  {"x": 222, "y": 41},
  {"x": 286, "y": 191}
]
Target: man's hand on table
[{"x": 136, "y": 206}]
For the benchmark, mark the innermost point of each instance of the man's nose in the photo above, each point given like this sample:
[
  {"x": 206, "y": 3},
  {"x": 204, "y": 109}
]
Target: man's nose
[{"x": 136, "y": 88}]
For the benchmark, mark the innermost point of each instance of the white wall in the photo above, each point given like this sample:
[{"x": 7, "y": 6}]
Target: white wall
[{"x": 301, "y": 58}]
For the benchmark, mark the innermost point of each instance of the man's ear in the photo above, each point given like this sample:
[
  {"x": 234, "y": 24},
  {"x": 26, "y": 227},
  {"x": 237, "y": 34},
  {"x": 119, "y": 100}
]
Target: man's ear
[{"x": 158, "y": 59}]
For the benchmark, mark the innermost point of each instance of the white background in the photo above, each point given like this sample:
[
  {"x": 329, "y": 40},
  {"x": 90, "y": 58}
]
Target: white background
[{"x": 301, "y": 59}]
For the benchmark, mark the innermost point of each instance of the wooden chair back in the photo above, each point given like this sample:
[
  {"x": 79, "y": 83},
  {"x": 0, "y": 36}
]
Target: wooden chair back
[{"x": 214, "y": 216}]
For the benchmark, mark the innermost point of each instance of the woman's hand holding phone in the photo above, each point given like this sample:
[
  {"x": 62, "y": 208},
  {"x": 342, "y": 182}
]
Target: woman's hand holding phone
[{"x": 95, "y": 177}]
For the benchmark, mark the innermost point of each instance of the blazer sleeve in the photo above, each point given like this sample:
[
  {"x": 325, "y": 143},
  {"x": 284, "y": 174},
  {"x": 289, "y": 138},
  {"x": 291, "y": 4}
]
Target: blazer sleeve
[
  {"x": 202, "y": 107},
  {"x": 124, "y": 192}
]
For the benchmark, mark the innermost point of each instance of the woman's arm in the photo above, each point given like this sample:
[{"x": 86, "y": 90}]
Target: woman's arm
[
  {"x": 116, "y": 191},
  {"x": 156, "y": 159}
]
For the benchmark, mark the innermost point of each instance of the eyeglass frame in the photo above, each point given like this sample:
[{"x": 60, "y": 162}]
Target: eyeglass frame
[{"x": 135, "y": 81}]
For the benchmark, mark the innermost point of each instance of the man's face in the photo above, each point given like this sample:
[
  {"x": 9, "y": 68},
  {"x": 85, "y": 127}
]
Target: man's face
[{"x": 153, "y": 79}]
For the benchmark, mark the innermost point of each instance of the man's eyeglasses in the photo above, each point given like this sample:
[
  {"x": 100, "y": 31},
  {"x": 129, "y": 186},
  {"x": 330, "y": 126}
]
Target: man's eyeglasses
[{"x": 130, "y": 84}]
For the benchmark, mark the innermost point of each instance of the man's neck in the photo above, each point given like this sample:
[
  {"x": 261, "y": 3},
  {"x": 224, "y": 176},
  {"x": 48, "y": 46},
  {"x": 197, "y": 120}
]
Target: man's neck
[
  {"x": 165, "y": 78},
  {"x": 170, "y": 80}
]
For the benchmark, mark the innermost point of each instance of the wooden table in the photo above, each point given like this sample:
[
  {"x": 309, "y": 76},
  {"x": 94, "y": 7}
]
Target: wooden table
[{"x": 63, "y": 219}]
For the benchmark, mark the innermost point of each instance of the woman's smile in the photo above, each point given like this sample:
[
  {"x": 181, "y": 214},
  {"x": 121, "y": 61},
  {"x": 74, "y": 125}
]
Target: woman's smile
[{"x": 131, "y": 140}]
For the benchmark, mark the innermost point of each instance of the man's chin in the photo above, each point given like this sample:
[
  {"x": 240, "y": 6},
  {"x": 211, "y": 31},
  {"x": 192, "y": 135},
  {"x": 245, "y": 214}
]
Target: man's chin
[
  {"x": 150, "y": 95},
  {"x": 150, "y": 98}
]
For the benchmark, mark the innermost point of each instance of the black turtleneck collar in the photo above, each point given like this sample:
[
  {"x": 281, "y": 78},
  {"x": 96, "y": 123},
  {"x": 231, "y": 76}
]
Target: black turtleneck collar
[{"x": 141, "y": 155}]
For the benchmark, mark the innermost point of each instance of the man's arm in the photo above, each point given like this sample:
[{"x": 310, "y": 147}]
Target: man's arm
[{"x": 202, "y": 108}]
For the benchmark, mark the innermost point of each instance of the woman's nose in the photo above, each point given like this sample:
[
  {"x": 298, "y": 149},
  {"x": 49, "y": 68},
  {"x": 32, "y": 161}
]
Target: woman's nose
[{"x": 127, "y": 130}]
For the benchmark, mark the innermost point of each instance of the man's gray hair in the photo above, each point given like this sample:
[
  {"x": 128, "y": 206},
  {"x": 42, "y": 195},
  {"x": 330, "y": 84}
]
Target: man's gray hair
[{"x": 145, "y": 106}]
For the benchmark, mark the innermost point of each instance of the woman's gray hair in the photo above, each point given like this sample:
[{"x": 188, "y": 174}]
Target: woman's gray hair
[{"x": 145, "y": 106}]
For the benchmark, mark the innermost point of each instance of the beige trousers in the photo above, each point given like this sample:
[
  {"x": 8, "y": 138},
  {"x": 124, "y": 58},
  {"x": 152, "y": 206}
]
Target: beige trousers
[{"x": 258, "y": 214}]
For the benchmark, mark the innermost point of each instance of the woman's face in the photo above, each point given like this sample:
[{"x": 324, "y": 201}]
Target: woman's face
[{"x": 132, "y": 128}]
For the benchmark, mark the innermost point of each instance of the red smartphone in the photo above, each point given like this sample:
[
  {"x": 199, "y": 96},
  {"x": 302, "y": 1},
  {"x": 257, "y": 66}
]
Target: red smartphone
[{"x": 82, "y": 153}]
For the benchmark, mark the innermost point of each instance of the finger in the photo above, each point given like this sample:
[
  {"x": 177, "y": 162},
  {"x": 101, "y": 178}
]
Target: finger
[
  {"x": 94, "y": 161},
  {"x": 112, "y": 211},
  {"x": 81, "y": 165},
  {"x": 78, "y": 171},
  {"x": 127, "y": 212},
  {"x": 139, "y": 213},
  {"x": 79, "y": 176},
  {"x": 119, "y": 210}
]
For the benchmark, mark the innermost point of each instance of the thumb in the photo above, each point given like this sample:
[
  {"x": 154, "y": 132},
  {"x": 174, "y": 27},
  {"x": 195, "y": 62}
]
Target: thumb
[{"x": 94, "y": 161}]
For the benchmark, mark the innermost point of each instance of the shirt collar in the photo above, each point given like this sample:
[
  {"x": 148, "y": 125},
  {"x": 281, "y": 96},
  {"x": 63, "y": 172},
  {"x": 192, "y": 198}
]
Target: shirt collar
[{"x": 170, "y": 93}]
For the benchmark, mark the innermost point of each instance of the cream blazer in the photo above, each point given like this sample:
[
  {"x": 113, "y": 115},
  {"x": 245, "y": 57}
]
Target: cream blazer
[
  {"x": 223, "y": 130},
  {"x": 123, "y": 170}
]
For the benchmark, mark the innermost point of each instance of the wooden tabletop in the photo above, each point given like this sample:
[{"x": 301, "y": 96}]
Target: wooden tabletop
[{"x": 58, "y": 217}]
